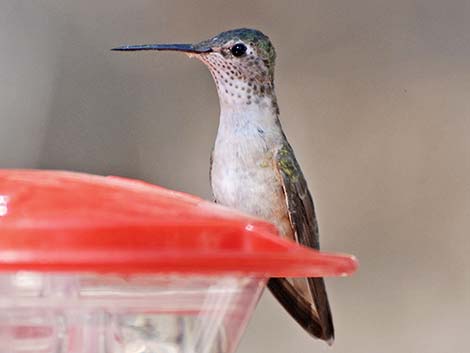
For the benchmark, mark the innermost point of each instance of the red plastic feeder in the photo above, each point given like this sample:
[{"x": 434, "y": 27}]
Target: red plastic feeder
[{"x": 106, "y": 264}]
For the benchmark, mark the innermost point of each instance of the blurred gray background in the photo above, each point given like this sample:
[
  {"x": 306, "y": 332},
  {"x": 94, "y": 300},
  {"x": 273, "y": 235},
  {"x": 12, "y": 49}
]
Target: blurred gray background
[{"x": 374, "y": 97}]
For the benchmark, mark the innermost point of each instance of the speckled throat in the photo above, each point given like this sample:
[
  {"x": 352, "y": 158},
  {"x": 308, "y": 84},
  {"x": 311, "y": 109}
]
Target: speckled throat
[{"x": 243, "y": 83}]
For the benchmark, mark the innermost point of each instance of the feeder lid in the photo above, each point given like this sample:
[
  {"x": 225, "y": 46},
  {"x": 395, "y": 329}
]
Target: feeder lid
[{"x": 64, "y": 221}]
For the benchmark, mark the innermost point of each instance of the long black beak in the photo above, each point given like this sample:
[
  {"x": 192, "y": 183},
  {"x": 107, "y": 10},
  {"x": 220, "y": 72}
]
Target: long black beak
[{"x": 186, "y": 48}]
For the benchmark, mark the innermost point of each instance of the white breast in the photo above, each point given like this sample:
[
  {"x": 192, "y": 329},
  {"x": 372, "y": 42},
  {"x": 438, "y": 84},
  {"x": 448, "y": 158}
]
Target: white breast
[{"x": 243, "y": 173}]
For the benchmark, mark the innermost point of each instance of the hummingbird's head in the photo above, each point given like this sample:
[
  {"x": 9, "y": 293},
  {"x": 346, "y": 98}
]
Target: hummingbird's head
[{"x": 241, "y": 62}]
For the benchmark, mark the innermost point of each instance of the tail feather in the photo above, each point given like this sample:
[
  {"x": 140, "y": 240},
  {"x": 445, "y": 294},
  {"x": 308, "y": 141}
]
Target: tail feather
[{"x": 314, "y": 317}]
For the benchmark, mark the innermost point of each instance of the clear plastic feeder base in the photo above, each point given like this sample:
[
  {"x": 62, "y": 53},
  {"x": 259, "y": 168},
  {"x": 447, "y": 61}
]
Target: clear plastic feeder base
[{"x": 80, "y": 313}]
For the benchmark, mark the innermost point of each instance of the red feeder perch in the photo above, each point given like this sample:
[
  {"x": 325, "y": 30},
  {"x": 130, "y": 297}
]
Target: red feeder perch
[{"x": 94, "y": 264}]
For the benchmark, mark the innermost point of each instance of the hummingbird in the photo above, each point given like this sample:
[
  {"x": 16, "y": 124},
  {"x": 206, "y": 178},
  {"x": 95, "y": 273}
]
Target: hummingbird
[{"x": 252, "y": 166}]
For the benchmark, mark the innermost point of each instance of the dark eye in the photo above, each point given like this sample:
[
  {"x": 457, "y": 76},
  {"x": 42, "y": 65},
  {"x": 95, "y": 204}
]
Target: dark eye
[{"x": 238, "y": 49}]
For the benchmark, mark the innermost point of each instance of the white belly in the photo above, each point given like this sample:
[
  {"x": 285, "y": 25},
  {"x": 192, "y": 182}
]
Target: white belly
[
  {"x": 243, "y": 177},
  {"x": 243, "y": 174}
]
